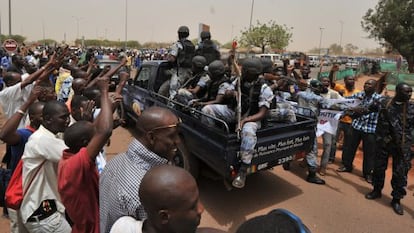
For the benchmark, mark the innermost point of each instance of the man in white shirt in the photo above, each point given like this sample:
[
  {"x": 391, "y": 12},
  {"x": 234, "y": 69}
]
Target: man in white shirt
[{"x": 41, "y": 209}]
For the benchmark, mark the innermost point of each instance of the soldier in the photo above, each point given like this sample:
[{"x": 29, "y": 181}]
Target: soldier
[
  {"x": 207, "y": 48},
  {"x": 195, "y": 87},
  {"x": 181, "y": 54},
  {"x": 393, "y": 136},
  {"x": 312, "y": 99},
  {"x": 214, "y": 103}
]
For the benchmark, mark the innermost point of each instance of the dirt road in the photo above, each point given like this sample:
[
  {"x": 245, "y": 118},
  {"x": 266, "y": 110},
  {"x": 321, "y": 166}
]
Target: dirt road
[{"x": 337, "y": 207}]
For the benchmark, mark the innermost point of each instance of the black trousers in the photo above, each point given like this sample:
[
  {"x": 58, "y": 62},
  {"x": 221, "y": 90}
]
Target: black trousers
[
  {"x": 401, "y": 164},
  {"x": 351, "y": 145}
]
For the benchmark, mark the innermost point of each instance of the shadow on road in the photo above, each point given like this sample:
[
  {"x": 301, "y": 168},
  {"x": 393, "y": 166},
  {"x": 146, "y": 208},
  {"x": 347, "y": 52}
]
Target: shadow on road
[{"x": 231, "y": 207}]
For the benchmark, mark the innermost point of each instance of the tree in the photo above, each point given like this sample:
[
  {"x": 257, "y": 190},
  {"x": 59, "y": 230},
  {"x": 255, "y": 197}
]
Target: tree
[
  {"x": 271, "y": 34},
  {"x": 18, "y": 38},
  {"x": 350, "y": 49},
  {"x": 392, "y": 23},
  {"x": 336, "y": 49}
]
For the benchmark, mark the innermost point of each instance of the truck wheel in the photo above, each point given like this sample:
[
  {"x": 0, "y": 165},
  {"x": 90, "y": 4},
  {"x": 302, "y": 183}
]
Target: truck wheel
[
  {"x": 187, "y": 161},
  {"x": 286, "y": 166}
]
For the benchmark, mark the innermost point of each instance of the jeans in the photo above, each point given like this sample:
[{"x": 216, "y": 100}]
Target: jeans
[
  {"x": 54, "y": 223},
  {"x": 344, "y": 127},
  {"x": 351, "y": 146},
  {"x": 327, "y": 139}
]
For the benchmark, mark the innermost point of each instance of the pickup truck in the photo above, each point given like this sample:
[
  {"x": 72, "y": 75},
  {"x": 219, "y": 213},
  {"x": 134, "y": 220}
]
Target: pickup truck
[{"x": 217, "y": 147}]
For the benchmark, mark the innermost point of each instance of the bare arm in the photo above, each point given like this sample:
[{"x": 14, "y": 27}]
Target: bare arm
[
  {"x": 103, "y": 123},
  {"x": 9, "y": 133}
]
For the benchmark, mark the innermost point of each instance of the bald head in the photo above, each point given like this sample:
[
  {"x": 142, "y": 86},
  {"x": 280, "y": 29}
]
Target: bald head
[
  {"x": 78, "y": 85},
  {"x": 154, "y": 117},
  {"x": 165, "y": 186},
  {"x": 170, "y": 197}
]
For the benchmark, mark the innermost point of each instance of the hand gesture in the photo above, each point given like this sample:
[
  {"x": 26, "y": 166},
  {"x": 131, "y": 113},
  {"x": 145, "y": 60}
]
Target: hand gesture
[
  {"x": 35, "y": 93},
  {"x": 87, "y": 111},
  {"x": 123, "y": 60},
  {"x": 103, "y": 83},
  {"x": 123, "y": 76}
]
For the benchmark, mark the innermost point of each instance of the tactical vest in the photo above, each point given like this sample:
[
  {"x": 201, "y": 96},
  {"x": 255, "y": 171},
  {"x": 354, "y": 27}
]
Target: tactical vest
[
  {"x": 208, "y": 50},
  {"x": 186, "y": 54},
  {"x": 214, "y": 88},
  {"x": 250, "y": 97},
  {"x": 192, "y": 83}
]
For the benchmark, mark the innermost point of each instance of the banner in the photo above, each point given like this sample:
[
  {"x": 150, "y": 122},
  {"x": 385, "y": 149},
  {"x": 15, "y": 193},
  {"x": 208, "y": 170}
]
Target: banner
[{"x": 328, "y": 119}]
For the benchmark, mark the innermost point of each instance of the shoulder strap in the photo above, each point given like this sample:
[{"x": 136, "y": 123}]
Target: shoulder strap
[{"x": 34, "y": 176}]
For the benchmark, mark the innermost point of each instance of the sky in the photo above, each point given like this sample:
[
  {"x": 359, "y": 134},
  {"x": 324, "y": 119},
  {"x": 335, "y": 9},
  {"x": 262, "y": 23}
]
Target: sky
[{"x": 158, "y": 20}]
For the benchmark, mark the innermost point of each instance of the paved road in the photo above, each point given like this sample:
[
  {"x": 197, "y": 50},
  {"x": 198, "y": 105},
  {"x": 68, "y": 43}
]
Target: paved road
[{"x": 337, "y": 207}]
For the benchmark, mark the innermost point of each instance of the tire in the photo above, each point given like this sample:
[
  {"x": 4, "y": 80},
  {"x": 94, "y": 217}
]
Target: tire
[{"x": 186, "y": 160}]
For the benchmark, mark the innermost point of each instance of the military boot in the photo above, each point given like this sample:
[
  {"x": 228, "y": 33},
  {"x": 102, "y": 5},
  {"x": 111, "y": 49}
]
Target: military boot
[
  {"x": 313, "y": 178},
  {"x": 240, "y": 179}
]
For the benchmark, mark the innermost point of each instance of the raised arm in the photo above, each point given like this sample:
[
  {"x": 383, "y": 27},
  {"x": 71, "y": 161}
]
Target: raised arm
[
  {"x": 103, "y": 123},
  {"x": 9, "y": 133}
]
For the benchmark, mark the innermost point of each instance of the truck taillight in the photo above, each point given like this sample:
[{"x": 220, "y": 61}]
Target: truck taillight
[
  {"x": 300, "y": 155},
  {"x": 233, "y": 172}
]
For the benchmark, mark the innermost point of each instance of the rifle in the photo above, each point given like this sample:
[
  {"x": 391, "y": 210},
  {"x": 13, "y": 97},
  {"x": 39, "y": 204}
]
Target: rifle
[{"x": 238, "y": 76}]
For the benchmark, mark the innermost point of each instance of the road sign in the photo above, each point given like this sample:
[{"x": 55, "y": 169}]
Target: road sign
[{"x": 10, "y": 45}]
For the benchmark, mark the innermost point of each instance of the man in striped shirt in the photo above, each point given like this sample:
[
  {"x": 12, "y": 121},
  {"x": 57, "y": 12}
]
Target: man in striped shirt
[{"x": 155, "y": 144}]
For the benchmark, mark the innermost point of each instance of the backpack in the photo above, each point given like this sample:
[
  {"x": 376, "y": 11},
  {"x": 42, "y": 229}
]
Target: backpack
[{"x": 14, "y": 192}]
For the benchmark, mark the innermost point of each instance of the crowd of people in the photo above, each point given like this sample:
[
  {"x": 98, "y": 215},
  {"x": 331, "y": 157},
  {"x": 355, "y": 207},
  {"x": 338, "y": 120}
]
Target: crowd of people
[{"x": 60, "y": 117}]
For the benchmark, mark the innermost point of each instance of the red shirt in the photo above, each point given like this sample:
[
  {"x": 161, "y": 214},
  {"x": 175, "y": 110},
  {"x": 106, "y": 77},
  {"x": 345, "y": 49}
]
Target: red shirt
[{"x": 78, "y": 185}]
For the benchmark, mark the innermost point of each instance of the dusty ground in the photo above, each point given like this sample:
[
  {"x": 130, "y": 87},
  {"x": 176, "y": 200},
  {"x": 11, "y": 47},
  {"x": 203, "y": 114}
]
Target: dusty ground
[{"x": 339, "y": 206}]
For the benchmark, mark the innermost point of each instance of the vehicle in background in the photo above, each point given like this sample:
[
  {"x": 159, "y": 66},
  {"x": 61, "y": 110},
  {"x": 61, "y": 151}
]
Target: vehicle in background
[
  {"x": 352, "y": 64},
  {"x": 276, "y": 58},
  {"x": 101, "y": 63},
  {"x": 314, "y": 61}
]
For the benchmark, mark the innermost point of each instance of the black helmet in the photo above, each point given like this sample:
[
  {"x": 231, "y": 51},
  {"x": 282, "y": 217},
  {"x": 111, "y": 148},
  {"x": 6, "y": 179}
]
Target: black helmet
[
  {"x": 267, "y": 65},
  {"x": 205, "y": 35},
  {"x": 315, "y": 83},
  {"x": 183, "y": 29},
  {"x": 216, "y": 68},
  {"x": 199, "y": 61},
  {"x": 183, "y": 32},
  {"x": 252, "y": 66}
]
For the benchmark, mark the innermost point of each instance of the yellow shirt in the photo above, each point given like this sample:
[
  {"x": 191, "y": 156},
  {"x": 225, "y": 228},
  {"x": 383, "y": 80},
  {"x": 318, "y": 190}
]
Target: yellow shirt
[{"x": 347, "y": 119}]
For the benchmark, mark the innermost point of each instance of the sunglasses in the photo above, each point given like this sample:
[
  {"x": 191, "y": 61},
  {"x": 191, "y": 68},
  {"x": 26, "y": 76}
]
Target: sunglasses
[{"x": 166, "y": 126}]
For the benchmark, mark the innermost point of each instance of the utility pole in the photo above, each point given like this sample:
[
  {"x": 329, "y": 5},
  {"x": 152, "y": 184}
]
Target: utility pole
[
  {"x": 342, "y": 28},
  {"x": 126, "y": 23},
  {"x": 320, "y": 40},
  {"x": 10, "y": 30},
  {"x": 251, "y": 15}
]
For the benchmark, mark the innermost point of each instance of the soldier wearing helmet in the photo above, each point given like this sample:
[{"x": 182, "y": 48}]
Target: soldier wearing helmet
[
  {"x": 196, "y": 86},
  {"x": 180, "y": 55},
  {"x": 256, "y": 97},
  {"x": 207, "y": 48},
  {"x": 214, "y": 101}
]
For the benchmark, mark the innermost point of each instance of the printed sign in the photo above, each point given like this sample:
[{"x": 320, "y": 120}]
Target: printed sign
[{"x": 10, "y": 45}]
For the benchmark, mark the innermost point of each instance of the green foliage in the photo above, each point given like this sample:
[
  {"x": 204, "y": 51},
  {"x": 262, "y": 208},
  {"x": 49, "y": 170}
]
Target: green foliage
[
  {"x": 107, "y": 43},
  {"x": 392, "y": 23},
  {"x": 262, "y": 35},
  {"x": 49, "y": 42},
  {"x": 156, "y": 45},
  {"x": 336, "y": 49},
  {"x": 18, "y": 38},
  {"x": 350, "y": 49}
]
